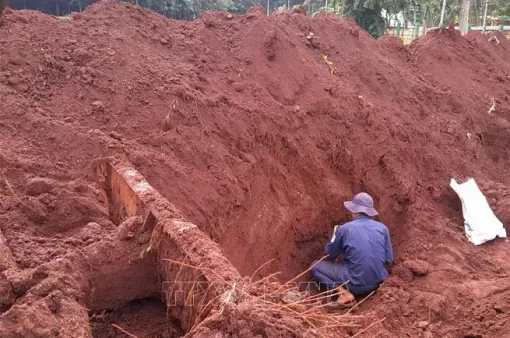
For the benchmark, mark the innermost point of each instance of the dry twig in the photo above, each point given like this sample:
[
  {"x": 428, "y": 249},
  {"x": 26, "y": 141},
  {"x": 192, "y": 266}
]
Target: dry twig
[
  {"x": 259, "y": 268},
  {"x": 14, "y": 193},
  {"x": 124, "y": 331},
  {"x": 368, "y": 327}
]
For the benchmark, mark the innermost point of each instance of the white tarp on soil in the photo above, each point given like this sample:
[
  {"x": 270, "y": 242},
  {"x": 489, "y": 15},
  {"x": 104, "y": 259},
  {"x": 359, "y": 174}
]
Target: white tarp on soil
[{"x": 480, "y": 223}]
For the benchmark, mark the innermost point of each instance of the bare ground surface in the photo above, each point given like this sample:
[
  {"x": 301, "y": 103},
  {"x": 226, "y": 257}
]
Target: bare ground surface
[{"x": 243, "y": 125}]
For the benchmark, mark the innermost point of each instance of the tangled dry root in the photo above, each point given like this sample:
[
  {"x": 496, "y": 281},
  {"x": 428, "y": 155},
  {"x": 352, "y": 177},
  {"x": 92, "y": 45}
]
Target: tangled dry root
[{"x": 271, "y": 308}]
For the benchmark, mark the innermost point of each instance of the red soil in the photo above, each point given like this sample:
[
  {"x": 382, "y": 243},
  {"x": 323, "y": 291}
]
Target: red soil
[
  {"x": 142, "y": 318},
  {"x": 263, "y": 140}
]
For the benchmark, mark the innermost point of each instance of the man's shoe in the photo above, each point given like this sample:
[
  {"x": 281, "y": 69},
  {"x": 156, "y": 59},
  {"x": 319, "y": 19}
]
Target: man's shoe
[{"x": 345, "y": 300}]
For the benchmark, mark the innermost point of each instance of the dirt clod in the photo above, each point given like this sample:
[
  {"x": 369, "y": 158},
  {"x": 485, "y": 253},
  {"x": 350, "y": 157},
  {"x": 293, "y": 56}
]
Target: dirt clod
[
  {"x": 38, "y": 186},
  {"x": 417, "y": 266},
  {"x": 299, "y": 9},
  {"x": 97, "y": 105},
  {"x": 238, "y": 87},
  {"x": 501, "y": 308},
  {"x": 422, "y": 324},
  {"x": 115, "y": 135},
  {"x": 54, "y": 300}
]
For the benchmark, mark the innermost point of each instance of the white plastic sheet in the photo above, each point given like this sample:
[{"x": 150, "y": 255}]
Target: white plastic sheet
[{"x": 480, "y": 223}]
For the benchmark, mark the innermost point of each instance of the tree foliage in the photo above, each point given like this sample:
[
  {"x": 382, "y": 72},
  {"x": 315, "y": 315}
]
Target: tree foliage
[
  {"x": 501, "y": 8},
  {"x": 178, "y": 9},
  {"x": 367, "y": 14}
]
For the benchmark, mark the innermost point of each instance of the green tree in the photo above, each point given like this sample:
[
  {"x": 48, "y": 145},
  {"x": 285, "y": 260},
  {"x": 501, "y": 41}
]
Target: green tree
[
  {"x": 500, "y": 7},
  {"x": 367, "y": 13}
]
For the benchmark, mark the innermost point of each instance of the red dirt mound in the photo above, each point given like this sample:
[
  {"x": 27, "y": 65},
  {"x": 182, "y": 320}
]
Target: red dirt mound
[{"x": 257, "y": 131}]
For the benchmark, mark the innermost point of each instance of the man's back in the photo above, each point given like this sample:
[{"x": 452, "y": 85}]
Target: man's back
[{"x": 366, "y": 247}]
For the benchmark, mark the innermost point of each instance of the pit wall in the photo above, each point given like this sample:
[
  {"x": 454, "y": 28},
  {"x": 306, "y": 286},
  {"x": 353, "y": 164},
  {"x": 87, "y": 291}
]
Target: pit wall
[{"x": 192, "y": 268}]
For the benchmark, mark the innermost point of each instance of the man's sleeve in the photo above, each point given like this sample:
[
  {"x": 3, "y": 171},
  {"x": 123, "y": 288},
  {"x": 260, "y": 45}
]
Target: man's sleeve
[
  {"x": 336, "y": 247},
  {"x": 388, "y": 249}
]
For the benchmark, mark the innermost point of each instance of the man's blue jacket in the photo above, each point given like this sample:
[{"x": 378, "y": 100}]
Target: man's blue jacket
[{"x": 365, "y": 245}]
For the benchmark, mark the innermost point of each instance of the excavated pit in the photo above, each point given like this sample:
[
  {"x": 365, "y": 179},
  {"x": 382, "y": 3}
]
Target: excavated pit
[
  {"x": 192, "y": 269},
  {"x": 272, "y": 227},
  {"x": 142, "y": 317}
]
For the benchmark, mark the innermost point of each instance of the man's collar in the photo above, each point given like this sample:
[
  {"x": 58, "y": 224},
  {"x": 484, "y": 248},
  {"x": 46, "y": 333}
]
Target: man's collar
[{"x": 360, "y": 216}]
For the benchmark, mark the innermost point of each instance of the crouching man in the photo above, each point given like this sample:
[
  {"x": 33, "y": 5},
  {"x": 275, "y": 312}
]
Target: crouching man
[{"x": 365, "y": 246}]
